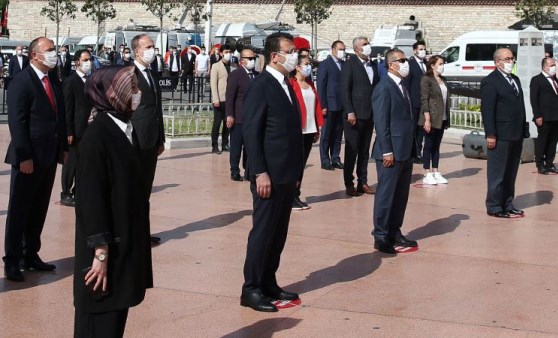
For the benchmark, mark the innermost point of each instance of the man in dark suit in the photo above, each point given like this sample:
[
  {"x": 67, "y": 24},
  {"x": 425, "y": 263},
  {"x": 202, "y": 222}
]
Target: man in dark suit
[
  {"x": 503, "y": 114},
  {"x": 358, "y": 79},
  {"x": 148, "y": 117},
  {"x": 215, "y": 57},
  {"x": 329, "y": 82},
  {"x": 158, "y": 65},
  {"x": 392, "y": 152},
  {"x": 237, "y": 84},
  {"x": 417, "y": 65},
  {"x": 38, "y": 130},
  {"x": 78, "y": 110},
  {"x": 544, "y": 101},
  {"x": 273, "y": 140},
  {"x": 174, "y": 62},
  {"x": 64, "y": 66},
  {"x": 188, "y": 61},
  {"x": 119, "y": 55},
  {"x": 18, "y": 62}
]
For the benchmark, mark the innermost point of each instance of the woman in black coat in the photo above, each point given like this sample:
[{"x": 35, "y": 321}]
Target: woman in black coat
[{"x": 113, "y": 250}]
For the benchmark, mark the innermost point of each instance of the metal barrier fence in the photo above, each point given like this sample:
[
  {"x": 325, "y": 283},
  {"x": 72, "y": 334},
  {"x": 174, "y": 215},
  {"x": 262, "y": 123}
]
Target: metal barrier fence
[
  {"x": 187, "y": 119},
  {"x": 465, "y": 119}
]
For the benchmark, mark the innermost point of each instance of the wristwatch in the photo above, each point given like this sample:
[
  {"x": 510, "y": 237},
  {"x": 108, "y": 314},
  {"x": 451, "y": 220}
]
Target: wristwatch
[{"x": 102, "y": 257}]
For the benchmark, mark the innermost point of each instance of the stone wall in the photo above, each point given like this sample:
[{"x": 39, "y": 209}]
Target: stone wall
[{"x": 441, "y": 24}]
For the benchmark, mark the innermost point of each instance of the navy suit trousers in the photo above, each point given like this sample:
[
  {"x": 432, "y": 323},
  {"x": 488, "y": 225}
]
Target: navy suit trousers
[{"x": 503, "y": 163}]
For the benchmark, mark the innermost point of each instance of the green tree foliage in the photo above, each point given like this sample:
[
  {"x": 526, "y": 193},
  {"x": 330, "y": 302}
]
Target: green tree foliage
[
  {"x": 313, "y": 12},
  {"x": 56, "y": 10},
  {"x": 161, "y": 9},
  {"x": 99, "y": 11},
  {"x": 535, "y": 12}
]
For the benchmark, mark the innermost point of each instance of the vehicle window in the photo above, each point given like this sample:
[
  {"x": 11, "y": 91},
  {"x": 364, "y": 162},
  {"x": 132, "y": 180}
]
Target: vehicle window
[
  {"x": 485, "y": 52},
  {"x": 451, "y": 54}
]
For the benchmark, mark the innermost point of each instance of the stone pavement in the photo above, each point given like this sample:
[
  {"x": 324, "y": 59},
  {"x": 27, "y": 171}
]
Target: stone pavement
[{"x": 474, "y": 276}]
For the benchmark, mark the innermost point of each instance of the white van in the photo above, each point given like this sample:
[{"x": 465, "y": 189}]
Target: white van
[
  {"x": 387, "y": 37},
  {"x": 470, "y": 57}
]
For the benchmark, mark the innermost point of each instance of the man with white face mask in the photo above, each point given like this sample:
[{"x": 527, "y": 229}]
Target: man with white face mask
[
  {"x": 237, "y": 84},
  {"x": 38, "y": 129},
  {"x": 503, "y": 115},
  {"x": 392, "y": 152},
  {"x": 78, "y": 109},
  {"x": 417, "y": 68},
  {"x": 544, "y": 101},
  {"x": 218, "y": 79},
  {"x": 64, "y": 66},
  {"x": 18, "y": 62},
  {"x": 358, "y": 79}
]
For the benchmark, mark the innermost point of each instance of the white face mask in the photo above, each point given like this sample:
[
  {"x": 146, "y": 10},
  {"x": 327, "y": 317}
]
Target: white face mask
[
  {"x": 136, "y": 99},
  {"x": 552, "y": 71},
  {"x": 86, "y": 67},
  {"x": 508, "y": 67},
  {"x": 148, "y": 55},
  {"x": 421, "y": 54},
  {"x": 19, "y": 52},
  {"x": 63, "y": 54},
  {"x": 440, "y": 69},
  {"x": 250, "y": 64},
  {"x": 127, "y": 55},
  {"x": 50, "y": 59},
  {"x": 306, "y": 70},
  {"x": 366, "y": 50},
  {"x": 404, "y": 69},
  {"x": 340, "y": 54},
  {"x": 290, "y": 61},
  {"x": 227, "y": 56}
]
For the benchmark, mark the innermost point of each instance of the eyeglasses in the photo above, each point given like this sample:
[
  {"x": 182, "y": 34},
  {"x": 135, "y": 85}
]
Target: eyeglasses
[
  {"x": 403, "y": 60},
  {"x": 249, "y": 58},
  {"x": 507, "y": 59}
]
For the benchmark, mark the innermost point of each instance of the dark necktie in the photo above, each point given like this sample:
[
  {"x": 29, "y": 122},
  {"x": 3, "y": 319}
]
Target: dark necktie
[
  {"x": 251, "y": 75},
  {"x": 49, "y": 92},
  {"x": 553, "y": 80},
  {"x": 150, "y": 80},
  {"x": 406, "y": 96},
  {"x": 512, "y": 83}
]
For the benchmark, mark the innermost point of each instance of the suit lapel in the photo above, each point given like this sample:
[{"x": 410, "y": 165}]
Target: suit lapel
[{"x": 40, "y": 89}]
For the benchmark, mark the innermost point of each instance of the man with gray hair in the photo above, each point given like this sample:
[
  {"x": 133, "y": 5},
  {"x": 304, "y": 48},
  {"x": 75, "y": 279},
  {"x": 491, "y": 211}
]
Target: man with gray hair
[{"x": 358, "y": 79}]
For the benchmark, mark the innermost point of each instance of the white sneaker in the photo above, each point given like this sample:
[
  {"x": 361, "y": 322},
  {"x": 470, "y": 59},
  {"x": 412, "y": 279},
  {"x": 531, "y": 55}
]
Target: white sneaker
[
  {"x": 429, "y": 179},
  {"x": 439, "y": 178}
]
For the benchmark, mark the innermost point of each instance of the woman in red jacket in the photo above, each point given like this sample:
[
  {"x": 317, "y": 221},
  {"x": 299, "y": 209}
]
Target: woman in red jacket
[{"x": 310, "y": 114}]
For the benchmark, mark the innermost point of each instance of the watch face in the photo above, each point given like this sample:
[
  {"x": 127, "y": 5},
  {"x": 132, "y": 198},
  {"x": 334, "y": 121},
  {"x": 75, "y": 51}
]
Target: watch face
[{"x": 101, "y": 257}]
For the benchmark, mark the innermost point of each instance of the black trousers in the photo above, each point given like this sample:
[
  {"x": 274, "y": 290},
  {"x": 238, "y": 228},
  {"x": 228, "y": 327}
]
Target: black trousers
[
  {"x": 100, "y": 325},
  {"x": 419, "y": 134},
  {"x": 270, "y": 224},
  {"x": 545, "y": 145},
  {"x": 69, "y": 171},
  {"x": 431, "y": 152},
  {"x": 188, "y": 83},
  {"x": 357, "y": 150},
  {"x": 390, "y": 202},
  {"x": 308, "y": 143},
  {"x": 330, "y": 138},
  {"x": 502, "y": 166},
  {"x": 219, "y": 119},
  {"x": 237, "y": 149},
  {"x": 27, "y": 210},
  {"x": 149, "y": 160}
]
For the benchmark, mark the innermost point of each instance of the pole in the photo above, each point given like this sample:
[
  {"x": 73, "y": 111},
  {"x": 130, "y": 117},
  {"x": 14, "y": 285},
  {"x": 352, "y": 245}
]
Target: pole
[{"x": 208, "y": 22}]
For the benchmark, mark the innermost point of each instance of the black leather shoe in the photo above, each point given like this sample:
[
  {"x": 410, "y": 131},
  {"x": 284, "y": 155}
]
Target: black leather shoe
[
  {"x": 327, "y": 166},
  {"x": 385, "y": 246},
  {"x": 68, "y": 201},
  {"x": 258, "y": 302},
  {"x": 404, "y": 242},
  {"x": 226, "y": 148},
  {"x": 351, "y": 191},
  {"x": 155, "y": 240},
  {"x": 542, "y": 170},
  {"x": 500, "y": 214},
  {"x": 215, "y": 150},
  {"x": 37, "y": 264},
  {"x": 338, "y": 165},
  {"x": 280, "y": 294},
  {"x": 236, "y": 177},
  {"x": 417, "y": 160},
  {"x": 13, "y": 273},
  {"x": 552, "y": 170},
  {"x": 516, "y": 212}
]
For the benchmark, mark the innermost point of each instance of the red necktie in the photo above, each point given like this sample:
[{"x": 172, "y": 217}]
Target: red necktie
[{"x": 49, "y": 92}]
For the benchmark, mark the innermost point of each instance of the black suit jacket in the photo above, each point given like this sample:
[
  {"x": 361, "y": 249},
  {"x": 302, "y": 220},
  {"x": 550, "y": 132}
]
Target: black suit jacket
[
  {"x": 188, "y": 65},
  {"x": 357, "y": 89},
  {"x": 14, "y": 68},
  {"x": 78, "y": 107},
  {"x": 412, "y": 81},
  {"x": 64, "y": 69},
  {"x": 38, "y": 131},
  {"x": 213, "y": 59},
  {"x": 237, "y": 84},
  {"x": 503, "y": 112},
  {"x": 544, "y": 100},
  {"x": 172, "y": 60},
  {"x": 272, "y": 131},
  {"x": 329, "y": 82},
  {"x": 393, "y": 122},
  {"x": 148, "y": 117}
]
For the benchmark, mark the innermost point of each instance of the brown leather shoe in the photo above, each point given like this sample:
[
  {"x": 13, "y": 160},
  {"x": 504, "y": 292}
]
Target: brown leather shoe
[
  {"x": 351, "y": 191},
  {"x": 365, "y": 189}
]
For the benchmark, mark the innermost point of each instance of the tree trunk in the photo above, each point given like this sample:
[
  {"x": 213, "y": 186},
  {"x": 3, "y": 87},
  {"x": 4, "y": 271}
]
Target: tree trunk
[
  {"x": 57, "y": 27},
  {"x": 161, "y": 34},
  {"x": 98, "y": 33}
]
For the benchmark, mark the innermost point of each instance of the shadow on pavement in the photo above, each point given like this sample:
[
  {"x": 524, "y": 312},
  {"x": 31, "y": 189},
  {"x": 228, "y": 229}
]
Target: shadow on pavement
[
  {"x": 265, "y": 328},
  {"x": 64, "y": 268},
  {"x": 437, "y": 227},
  {"x": 533, "y": 199},
  {"x": 162, "y": 187},
  {"x": 338, "y": 195},
  {"x": 182, "y": 156}
]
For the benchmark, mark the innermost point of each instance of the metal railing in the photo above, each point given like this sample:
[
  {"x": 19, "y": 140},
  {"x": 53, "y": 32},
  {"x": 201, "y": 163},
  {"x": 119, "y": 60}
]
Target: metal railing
[
  {"x": 187, "y": 119},
  {"x": 465, "y": 119}
]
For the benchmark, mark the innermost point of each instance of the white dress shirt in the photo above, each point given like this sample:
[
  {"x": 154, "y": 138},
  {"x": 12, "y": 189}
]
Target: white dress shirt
[
  {"x": 281, "y": 79},
  {"x": 125, "y": 127}
]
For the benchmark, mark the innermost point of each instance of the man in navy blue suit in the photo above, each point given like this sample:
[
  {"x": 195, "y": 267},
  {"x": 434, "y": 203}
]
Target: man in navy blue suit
[
  {"x": 417, "y": 69},
  {"x": 329, "y": 82},
  {"x": 18, "y": 62},
  {"x": 392, "y": 152},
  {"x": 38, "y": 129}
]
